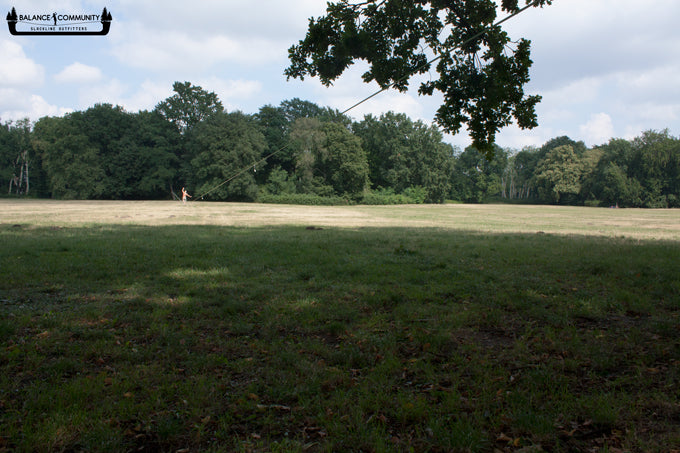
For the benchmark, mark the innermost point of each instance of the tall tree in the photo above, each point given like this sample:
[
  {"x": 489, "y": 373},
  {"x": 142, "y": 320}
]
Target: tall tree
[
  {"x": 386, "y": 142},
  {"x": 189, "y": 106},
  {"x": 71, "y": 161},
  {"x": 342, "y": 161},
  {"x": 558, "y": 175},
  {"x": 577, "y": 146},
  {"x": 6, "y": 156},
  {"x": 655, "y": 163},
  {"x": 517, "y": 181},
  {"x": 105, "y": 152},
  {"x": 108, "y": 129},
  {"x": 481, "y": 71},
  {"x": 276, "y": 128},
  {"x": 618, "y": 189},
  {"x": 306, "y": 139},
  {"x": 17, "y": 156},
  {"x": 297, "y": 108},
  {"x": 608, "y": 181},
  {"x": 222, "y": 147},
  {"x": 330, "y": 159},
  {"x": 475, "y": 178},
  {"x": 590, "y": 161},
  {"x": 142, "y": 163},
  {"x": 403, "y": 154}
]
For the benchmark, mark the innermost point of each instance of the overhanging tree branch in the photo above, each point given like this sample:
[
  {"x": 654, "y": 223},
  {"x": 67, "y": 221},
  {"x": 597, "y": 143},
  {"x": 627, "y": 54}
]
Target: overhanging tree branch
[{"x": 482, "y": 85}]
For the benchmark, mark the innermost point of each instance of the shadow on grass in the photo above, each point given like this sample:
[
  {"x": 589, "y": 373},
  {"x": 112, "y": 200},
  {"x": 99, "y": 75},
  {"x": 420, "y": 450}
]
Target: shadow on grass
[{"x": 202, "y": 337}]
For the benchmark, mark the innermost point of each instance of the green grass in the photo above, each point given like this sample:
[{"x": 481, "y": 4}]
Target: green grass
[{"x": 279, "y": 338}]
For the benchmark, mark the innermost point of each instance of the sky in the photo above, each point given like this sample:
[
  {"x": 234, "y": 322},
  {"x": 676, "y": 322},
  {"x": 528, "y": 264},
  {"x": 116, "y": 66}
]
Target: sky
[{"x": 604, "y": 68}]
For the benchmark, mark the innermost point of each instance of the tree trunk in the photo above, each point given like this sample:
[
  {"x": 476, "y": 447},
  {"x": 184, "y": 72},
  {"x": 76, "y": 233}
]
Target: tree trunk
[
  {"x": 27, "y": 180},
  {"x": 21, "y": 179}
]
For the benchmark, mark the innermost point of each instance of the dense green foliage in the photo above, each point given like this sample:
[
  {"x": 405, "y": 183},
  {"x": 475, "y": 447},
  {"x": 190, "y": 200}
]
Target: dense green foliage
[
  {"x": 189, "y": 106},
  {"x": 218, "y": 149},
  {"x": 105, "y": 152},
  {"x": 299, "y": 152},
  {"x": 481, "y": 71}
]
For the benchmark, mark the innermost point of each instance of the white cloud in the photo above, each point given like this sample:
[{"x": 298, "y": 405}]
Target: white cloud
[
  {"x": 108, "y": 92},
  {"x": 19, "y": 76},
  {"x": 175, "y": 36},
  {"x": 31, "y": 106},
  {"x": 586, "y": 38},
  {"x": 17, "y": 70},
  {"x": 40, "y": 107},
  {"x": 513, "y": 137},
  {"x": 659, "y": 113},
  {"x": 598, "y": 130},
  {"x": 277, "y": 20},
  {"x": 11, "y": 99},
  {"x": 79, "y": 73},
  {"x": 116, "y": 92},
  {"x": 657, "y": 83},
  {"x": 153, "y": 91},
  {"x": 149, "y": 94},
  {"x": 577, "y": 92},
  {"x": 231, "y": 93},
  {"x": 180, "y": 50}
]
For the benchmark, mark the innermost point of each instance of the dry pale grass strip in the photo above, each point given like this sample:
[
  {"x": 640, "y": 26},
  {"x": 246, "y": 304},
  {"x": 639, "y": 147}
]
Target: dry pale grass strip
[{"x": 661, "y": 224}]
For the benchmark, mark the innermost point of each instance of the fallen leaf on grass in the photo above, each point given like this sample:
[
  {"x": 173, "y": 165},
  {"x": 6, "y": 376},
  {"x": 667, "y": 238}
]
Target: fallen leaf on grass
[
  {"x": 503, "y": 438},
  {"x": 515, "y": 442}
]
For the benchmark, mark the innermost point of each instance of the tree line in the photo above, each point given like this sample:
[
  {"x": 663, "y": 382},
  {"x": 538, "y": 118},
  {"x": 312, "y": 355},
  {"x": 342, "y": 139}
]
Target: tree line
[{"x": 299, "y": 152}]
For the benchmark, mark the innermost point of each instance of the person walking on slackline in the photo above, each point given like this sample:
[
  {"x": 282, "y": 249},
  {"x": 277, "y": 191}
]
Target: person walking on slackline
[{"x": 185, "y": 194}]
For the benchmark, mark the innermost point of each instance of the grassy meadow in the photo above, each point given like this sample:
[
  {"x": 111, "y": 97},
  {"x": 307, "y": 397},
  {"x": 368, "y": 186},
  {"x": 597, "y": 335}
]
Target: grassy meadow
[{"x": 158, "y": 326}]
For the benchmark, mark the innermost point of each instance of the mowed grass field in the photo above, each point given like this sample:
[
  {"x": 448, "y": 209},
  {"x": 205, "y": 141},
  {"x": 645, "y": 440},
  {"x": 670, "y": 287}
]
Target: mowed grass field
[
  {"x": 561, "y": 220},
  {"x": 158, "y": 326}
]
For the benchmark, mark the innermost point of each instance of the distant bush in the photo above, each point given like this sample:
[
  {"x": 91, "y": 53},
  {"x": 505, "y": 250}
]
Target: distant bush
[
  {"x": 412, "y": 195},
  {"x": 384, "y": 197},
  {"x": 416, "y": 193},
  {"x": 592, "y": 203},
  {"x": 303, "y": 199}
]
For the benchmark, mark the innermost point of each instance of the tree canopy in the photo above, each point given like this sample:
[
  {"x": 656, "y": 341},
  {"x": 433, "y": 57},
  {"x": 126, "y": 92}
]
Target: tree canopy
[
  {"x": 300, "y": 152},
  {"x": 220, "y": 148},
  {"x": 106, "y": 152},
  {"x": 189, "y": 106},
  {"x": 482, "y": 72}
]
